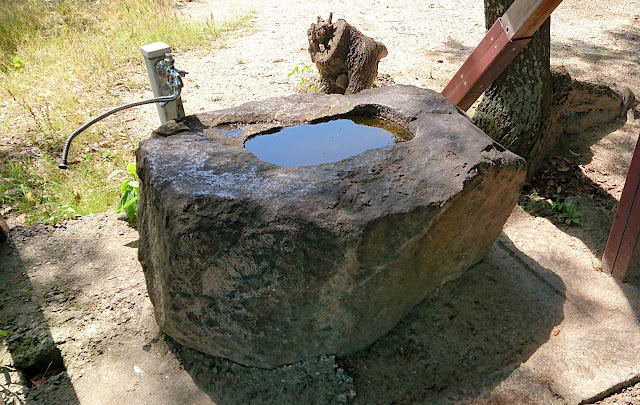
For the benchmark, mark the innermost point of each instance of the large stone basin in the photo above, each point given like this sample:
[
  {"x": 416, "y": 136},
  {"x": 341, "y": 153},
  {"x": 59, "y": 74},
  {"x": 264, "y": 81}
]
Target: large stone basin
[{"x": 267, "y": 265}]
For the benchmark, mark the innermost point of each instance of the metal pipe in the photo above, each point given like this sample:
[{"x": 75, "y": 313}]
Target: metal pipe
[{"x": 175, "y": 83}]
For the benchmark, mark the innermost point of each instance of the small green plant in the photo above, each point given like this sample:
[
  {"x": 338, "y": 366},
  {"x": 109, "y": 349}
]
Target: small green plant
[
  {"x": 567, "y": 212},
  {"x": 570, "y": 215},
  {"x": 300, "y": 71},
  {"x": 307, "y": 80},
  {"x": 17, "y": 64},
  {"x": 558, "y": 202},
  {"x": 130, "y": 191},
  {"x": 3, "y": 334}
]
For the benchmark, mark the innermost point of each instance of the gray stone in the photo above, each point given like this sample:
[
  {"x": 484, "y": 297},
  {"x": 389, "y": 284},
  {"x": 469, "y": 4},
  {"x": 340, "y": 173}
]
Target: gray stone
[
  {"x": 4, "y": 230},
  {"x": 267, "y": 265}
]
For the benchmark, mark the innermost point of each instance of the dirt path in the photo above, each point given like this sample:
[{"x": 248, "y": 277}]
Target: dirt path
[{"x": 77, "y": 288}]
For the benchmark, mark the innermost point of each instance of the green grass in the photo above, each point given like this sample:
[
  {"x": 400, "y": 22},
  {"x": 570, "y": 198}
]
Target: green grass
[{"x": 61, "y": 63}]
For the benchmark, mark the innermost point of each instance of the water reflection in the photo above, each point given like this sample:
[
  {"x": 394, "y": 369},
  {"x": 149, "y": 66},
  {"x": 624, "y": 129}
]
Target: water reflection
[{"x": 325, "y": 142}]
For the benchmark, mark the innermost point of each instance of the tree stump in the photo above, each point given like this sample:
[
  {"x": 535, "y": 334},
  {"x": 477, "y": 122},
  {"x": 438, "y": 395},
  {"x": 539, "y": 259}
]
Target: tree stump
[{"x": 346, "y": 58}]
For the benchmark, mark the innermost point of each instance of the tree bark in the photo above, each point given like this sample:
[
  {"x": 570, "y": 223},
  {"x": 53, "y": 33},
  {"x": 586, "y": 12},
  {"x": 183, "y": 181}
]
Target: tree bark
[
  {"x": 516, "y": 108},
  {"x": 346, "y": 58}
]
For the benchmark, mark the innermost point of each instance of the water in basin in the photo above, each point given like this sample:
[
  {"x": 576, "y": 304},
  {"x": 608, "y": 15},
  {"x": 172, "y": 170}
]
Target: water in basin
[{"x": 325, "y": 142}]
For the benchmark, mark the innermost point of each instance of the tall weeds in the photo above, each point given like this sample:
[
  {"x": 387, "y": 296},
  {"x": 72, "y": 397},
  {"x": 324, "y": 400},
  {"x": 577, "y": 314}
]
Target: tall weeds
[{"x": 62, "y": 62}]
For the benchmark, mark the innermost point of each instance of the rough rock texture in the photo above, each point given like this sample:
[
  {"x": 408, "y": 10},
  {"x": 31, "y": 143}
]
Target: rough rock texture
[
  {"x": 578, "y": 106},
  {"x": 574, "y": 108},
  {"x": 4, "y": 230},
  {"x": 346, "y": 58},
  {"x": 267, "y": 265}
]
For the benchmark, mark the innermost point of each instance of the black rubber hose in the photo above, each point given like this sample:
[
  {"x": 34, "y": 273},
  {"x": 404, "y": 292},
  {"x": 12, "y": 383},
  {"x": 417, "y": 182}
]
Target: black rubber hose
[{"x": 67, "y": 144}]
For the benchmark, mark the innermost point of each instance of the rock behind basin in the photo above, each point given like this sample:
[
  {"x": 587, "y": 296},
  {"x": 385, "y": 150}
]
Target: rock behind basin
[{"x": 267, "y": 265}]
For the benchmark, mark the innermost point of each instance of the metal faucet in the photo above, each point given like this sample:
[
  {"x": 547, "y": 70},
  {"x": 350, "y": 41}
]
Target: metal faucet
[
  {"x": 174, "y": 82},
  {"x": 174, "y": 75}
]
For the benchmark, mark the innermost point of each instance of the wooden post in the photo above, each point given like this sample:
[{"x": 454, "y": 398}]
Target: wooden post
[
  {"x": 622, "y": 245},
  {"x": 524, "y": 17},
  {"x": 506, "y": 38}
]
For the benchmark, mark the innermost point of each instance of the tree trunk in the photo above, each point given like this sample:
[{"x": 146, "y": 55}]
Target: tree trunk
[{"x": 516, "y": 108}]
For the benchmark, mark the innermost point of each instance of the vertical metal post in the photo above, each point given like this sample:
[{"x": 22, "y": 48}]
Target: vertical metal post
[{"x": 154, "y": 53}]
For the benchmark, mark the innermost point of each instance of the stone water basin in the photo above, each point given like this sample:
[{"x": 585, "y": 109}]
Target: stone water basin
[{"x": 266, "y": 264}]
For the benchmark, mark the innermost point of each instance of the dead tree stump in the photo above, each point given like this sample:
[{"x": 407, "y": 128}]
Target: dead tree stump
[{"x": 346, "y": 58}]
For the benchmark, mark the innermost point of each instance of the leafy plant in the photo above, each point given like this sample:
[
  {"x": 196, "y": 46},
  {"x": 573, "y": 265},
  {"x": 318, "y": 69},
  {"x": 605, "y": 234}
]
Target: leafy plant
[
  {"x": 558, "y": 202},
  {"x": 130, "y": 191},
  {"x": 3, "y": 334},
  {"x": 568, "y": 213},
  {"x": 300, "y": 71},
  {"x": 17, "y": 64},
  {"x": 306, "y": 77}
]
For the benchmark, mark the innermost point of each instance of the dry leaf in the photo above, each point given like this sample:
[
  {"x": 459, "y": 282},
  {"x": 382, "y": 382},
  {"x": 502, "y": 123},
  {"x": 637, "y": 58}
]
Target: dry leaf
[
  {"x": 563, "y": 169},
  {"x": 573, "y": 153},
  {"x": 38, "y": 380}
]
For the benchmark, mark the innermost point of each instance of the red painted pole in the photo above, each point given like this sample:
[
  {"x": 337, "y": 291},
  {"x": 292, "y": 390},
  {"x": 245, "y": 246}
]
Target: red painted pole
[
  {"x": 506, "y": 38},
  {"x": 494, "y": 53},
  {"x": 622, "y": 245}
]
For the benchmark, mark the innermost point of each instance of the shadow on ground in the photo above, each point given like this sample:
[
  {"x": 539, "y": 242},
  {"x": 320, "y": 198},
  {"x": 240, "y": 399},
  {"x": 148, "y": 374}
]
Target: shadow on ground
[
  {"x": 487, "y": 321},
  {"x": 596, "y": 206},
  {"x": 32, "y": 351}
]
